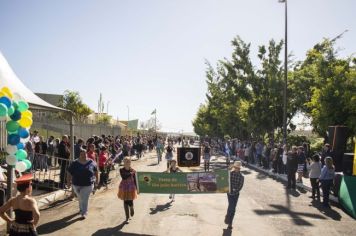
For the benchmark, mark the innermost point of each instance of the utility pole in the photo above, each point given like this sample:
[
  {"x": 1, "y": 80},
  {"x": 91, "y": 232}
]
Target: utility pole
[{"x": 285, "y": 72}]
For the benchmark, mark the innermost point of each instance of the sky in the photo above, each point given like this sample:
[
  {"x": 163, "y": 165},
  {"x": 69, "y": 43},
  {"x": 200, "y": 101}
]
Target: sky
[{"x": 150, "y": 54}]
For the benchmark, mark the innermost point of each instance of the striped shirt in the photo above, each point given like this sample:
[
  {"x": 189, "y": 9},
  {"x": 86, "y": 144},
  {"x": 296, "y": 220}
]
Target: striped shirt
[{"x": 236, "y": 182}]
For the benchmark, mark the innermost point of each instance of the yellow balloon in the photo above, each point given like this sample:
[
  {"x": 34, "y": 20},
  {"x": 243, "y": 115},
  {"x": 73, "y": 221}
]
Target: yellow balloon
[
  {"x": 2, "y": 94},
  {"x": 27, "y": 113},
  {"x": 7, "y": 91},
  {"x": 25, "y": 122}
]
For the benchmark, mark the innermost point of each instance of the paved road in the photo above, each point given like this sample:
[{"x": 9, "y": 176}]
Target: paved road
[{"x": 264, "y": 208}]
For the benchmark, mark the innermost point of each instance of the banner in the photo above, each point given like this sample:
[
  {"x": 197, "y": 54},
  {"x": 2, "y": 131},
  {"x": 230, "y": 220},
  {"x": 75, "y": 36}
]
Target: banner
[
  {"x": 354, "y": 169},
  {"x": 188, "y": 157},
  {"x": 183, "y": 182}
]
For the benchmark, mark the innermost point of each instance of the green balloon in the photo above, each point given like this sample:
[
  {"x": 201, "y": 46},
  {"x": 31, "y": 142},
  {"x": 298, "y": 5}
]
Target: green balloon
[
  {"x": 23, "y": 106},
  {"x": 10, "y": 110},
  {"x": 12, "y": 126},
  {"x": 15, "y": 104},
  {"x": 3, "y": 109},
  {"x": 28, "y": 163},
  {"x": 21, "y": 154}
]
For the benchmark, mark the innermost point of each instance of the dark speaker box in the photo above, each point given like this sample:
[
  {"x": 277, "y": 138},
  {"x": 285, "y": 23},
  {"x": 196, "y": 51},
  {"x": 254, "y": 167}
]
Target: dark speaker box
[
  {"x": 347, "y": 163},
  {"x": 337, "y": 137}
]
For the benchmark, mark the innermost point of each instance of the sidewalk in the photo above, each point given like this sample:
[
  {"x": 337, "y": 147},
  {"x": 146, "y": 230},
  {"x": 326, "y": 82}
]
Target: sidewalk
[{"x": 283, "y": 177}]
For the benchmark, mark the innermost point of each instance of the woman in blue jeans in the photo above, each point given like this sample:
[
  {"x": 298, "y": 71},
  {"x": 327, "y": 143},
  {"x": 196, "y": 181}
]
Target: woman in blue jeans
[
  {"x": 327, "y": 180},
  {"x": 82, "y": 174}
]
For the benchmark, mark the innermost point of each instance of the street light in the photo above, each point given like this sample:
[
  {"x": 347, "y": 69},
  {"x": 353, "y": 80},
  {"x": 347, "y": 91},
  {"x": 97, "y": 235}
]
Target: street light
[
  {"x": 285, "y": 73},
  {"x": 107, "y": 107}
]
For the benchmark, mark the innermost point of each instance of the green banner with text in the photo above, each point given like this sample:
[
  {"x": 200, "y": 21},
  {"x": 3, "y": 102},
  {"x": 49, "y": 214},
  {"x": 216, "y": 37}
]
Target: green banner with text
[{"x": 183, "y": 182}]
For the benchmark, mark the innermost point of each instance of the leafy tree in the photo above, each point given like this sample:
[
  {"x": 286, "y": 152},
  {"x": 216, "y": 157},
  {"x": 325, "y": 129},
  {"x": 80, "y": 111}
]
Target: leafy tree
[
  {"x": 104, "y": 119},
  {"x": 327, "y": 87},
  {"x": 72, "y": 101}
]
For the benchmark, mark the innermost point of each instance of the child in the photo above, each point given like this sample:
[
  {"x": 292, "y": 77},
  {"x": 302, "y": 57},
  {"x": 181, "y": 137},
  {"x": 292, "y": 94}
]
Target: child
[
  {"x": 128, "y": 188},
  {"x": 327, "y": 178},
  {"x": 173, "y": 169}
]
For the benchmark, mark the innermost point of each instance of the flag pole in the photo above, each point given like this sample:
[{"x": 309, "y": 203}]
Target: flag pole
[{"x": 156, "y": 121}]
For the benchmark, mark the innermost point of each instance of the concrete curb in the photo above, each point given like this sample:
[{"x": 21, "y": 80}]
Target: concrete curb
[{"x": 285, "y": 180}]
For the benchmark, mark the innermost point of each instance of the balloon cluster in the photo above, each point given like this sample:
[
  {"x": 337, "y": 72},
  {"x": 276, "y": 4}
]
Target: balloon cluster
[{"x": 14, "y": 110}]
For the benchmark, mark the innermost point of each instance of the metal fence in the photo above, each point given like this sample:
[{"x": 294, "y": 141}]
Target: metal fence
[{"x": 50, "y": 172}]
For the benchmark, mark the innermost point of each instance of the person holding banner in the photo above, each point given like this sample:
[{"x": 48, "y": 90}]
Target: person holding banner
[
  {"x": 236, "y": 184},
  {"x": 173, "y": 169},
  {"x": 128, "y": 188}
]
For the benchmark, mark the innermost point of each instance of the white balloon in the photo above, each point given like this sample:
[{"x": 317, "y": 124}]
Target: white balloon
[
  {"x": 11, "y": 149},
  {"x": 25, "y": 140},
  {"x": 20, "y": 166},
  {"x": 17, "y": 97},
  {"x": 11, "y": 160}
]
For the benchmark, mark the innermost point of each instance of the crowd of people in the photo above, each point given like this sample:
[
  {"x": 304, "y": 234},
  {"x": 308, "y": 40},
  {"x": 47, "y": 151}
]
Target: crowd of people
[
  {"x": 296, "y": 162},
  {"x": 95, "y": 157}
]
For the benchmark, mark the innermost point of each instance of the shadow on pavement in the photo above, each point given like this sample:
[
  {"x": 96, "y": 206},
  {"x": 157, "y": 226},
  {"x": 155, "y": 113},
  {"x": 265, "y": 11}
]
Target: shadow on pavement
[
  {"x": 227, "y": 232},
  {"x": 160, "y": 208},
  {"x": 56, "y": 225},
  {"x": 153, "y": 164},
  {"x": 297, "y": 217},
  {"x": 114, "y": 231},
  {"x": 328, "y": 212},
  {"x": 245, "y": 172}
]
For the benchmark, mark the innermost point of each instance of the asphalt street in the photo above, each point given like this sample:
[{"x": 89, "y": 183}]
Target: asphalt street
[{"x": 264, "y": 208}]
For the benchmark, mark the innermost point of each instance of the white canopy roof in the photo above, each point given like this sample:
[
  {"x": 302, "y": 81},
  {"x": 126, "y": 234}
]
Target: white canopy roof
[{"x": 9, "y": 79}]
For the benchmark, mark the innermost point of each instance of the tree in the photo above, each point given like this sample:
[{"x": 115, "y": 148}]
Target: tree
[
  {"x": 104, "y": 119},
  {"x": 327, "y": 87},
  {"x": 72, "y": 101}
]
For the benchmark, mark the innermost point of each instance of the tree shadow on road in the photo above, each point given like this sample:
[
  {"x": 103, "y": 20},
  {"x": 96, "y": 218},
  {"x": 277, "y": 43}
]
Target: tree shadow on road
[
  {"x": 51, "y": 227},
  {"x": 114, "y": 231},
  {"x": 160, "y": 208},
  {"x": 297, "y": 217},
  {"x": 153, "y": 164}
]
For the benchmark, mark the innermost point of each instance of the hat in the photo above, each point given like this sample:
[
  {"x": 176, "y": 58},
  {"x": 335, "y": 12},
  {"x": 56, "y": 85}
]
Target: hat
[
  {"x": 237, "y": 164},
  {"x": 26, "y": 178}
]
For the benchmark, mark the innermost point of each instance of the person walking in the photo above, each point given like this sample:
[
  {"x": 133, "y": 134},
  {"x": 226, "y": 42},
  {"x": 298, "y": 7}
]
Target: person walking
[
  {"x": 327, "y": 178},
  {"x": 173, "y": 169},
  {"x": 207, "y": 156},
  {"x": 25, "y": 207},
  {"x": 82, "y": 174},
  {"x": 314, "y": 168},
  {"x": 103, "y": 167},
  {"x": 169, "y": 154},
  {"x": 236, "y": 184},
  {"x": 128, "y": 188},
  {"x": 292, "y": 167}
]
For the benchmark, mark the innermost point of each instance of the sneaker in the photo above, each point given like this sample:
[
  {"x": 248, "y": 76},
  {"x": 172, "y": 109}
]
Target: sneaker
[{"x": 170, "y": 196}]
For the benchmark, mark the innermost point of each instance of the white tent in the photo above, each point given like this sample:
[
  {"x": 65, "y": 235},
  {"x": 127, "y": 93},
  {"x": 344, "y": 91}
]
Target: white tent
[{"x": 9, "y": 79}]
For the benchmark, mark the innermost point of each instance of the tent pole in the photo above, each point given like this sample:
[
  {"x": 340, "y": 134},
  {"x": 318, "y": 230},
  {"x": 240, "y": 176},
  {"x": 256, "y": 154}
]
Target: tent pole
[
  {"x": 71, "y": 135},
  {"x": 9, "y": 194}
]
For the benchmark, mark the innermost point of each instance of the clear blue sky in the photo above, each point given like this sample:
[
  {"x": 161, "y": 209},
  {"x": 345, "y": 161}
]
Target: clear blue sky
[{"x": 150, "y": 54}]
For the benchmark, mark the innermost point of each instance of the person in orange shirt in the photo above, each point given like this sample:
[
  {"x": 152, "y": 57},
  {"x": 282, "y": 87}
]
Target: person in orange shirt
[{"x": 103, "y": 161}]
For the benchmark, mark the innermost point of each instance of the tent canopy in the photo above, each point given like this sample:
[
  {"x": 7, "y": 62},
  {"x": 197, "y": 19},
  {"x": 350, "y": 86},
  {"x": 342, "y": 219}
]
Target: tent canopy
[{"x": 9, "y": 79}]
